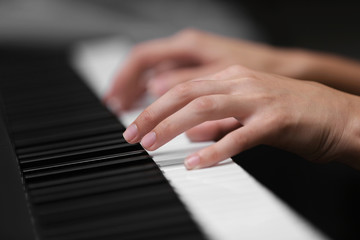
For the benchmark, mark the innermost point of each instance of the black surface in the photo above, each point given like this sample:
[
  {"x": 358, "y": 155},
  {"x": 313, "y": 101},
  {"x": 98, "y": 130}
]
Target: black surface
[
  {"x": 82, "y": 180},
  {"x": 330, "y": 26},
  {"x": 328, "y": 195},
  {"x": 15, "y": 219}
]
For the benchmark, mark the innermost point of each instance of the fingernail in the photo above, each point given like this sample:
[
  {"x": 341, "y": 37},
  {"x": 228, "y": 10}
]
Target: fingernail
[
  {"x": 192, "y": 161},
  {"x": 130, "y": 133},
  {"x": 148, "y": 140}
]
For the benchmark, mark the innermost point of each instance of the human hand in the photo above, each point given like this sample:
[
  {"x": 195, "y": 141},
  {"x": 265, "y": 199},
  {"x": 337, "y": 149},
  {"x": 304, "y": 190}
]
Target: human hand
[
  {"x": 306, "y": 118},
  {"x": 158, "y": 65}
]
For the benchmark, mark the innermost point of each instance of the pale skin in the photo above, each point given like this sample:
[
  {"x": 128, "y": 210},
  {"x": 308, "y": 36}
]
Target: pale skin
[{"x": 243, "y": 105}]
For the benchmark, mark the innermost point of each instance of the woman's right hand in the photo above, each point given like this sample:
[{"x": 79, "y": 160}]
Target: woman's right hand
[{"x": 312, "y": 120}]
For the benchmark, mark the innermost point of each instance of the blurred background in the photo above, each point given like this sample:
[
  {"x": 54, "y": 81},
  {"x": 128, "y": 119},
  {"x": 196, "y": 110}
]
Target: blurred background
[
  {"x": 63, "y": 21},
  {"x": 327, "y": 195},
  {"x": 330, "y": 26}
]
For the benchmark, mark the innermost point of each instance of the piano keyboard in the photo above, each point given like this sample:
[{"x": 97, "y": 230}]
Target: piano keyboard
[
  {"x": 81, "y": 179},
  {"x": 224, "y": 200}
]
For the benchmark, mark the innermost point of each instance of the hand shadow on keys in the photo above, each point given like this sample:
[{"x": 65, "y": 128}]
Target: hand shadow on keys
[{"x": 328, "y": 195}]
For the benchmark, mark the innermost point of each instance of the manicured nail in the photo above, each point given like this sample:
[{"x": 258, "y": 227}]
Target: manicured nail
[
  {"x": 130, "y": 133},
  {"x": 192, "y": 161},
  {"x": 148, "y": 140}
]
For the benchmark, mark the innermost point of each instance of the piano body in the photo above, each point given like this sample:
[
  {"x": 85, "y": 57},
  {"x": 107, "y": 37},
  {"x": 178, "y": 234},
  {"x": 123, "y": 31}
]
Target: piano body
[{"x": 67, "y": 173}]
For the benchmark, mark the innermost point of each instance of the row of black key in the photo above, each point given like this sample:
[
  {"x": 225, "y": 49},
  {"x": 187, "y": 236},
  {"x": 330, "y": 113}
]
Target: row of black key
[{"x": 83, "y": 180}]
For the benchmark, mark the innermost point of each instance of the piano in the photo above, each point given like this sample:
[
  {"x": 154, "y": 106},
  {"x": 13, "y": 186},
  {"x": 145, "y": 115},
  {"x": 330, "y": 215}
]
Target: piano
[{"x": 67, "y": 173}]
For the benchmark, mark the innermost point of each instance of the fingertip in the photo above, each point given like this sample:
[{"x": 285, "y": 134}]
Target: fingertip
[
  {"x": 210, "y": 156},
  {"x": 192, "y": 162},
  {"x": 148, "y": 141},
  {"x": 131, "y": 133}
]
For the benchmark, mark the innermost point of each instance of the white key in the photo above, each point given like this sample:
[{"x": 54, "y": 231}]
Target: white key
[{"x": 224, "y": 200}]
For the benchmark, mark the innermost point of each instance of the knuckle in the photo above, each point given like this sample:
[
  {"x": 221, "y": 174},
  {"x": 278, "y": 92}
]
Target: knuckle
[
  {"x": 248, "y": 80},
  {"x": 183, "y": 90},
  {"x": 204, "y": 105},
  {"x": 235, "y": 69},
  {"x": 252, "y": 86},
  {"x": 188, "y": 33},
  {"x": 266, "y": 99},
  {"x": 189, "y": 38},
  {"x": 147, "y": 116},
  {"x": 232, "y": 70},
  {"x": 165, "y": 127},
  {"x": 210, "y": 156}
]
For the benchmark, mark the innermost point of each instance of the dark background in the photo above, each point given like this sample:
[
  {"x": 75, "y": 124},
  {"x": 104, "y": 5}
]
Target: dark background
[
  {"x": 328, "y": 195},
  {"x": 331, "y": 26}
]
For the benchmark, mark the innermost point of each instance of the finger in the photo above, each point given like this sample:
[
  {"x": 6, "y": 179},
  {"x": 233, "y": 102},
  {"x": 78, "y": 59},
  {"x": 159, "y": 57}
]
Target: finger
[
  {"x": 230, "y": 72},
  {"x": 126, "y": 87},
  {"x": 212, "y": 130},
  {"x": 164, "y": 81},
  {"x": 202, "y": 109},
  {"x": 171, "y": 102},
  {"x": 233, "y": 143}
]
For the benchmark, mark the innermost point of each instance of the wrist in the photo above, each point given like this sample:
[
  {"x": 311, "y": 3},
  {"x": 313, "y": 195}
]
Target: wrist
[
  {"x": 351, "y": 139},
  {"x": 294, "y": 63}
]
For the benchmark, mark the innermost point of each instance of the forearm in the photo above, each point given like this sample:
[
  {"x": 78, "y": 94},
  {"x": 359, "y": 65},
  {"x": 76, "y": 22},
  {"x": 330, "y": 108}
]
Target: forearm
[{"x": 331, "y": 70}]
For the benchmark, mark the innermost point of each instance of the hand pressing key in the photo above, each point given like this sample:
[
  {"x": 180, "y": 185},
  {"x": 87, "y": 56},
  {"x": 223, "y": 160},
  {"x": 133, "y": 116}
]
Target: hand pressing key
[{"x": 307, "y": 118}]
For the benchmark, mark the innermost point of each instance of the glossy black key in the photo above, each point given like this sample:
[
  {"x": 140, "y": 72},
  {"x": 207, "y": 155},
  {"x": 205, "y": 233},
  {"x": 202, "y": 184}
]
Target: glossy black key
[{"x": 82, "y": 179}]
